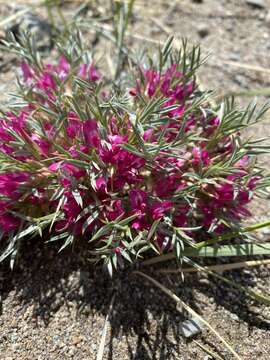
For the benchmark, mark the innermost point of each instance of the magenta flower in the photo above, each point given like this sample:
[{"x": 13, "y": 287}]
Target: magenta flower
[
  {"x": 43, "y": 145},
  {"x": 225, "y": 192},
  {"x": 152, "y": 81},
  {"x": 90, "y": 133},
  {"x": 67, "y": 171},
  {"x": 89, "y": 72},
  {"x": 11, "y": 184},
  {"x": 74, "y": 127},
  {"x": 200, "y": 157},
  {"x": 101, "y": 184},
  {"x": 47, "y": 83},
  {"x": 114, "y": 210},
  {"x": 138, "y": 199},
  {"x": 63, "y": 68},
  {"x": 8, "y": 223},
  {"x": 112, "y": 163},
  {"x": 28, "y": 74},
  {"x": 252, "y": 182},
  {"x": 159, "y": 209}
]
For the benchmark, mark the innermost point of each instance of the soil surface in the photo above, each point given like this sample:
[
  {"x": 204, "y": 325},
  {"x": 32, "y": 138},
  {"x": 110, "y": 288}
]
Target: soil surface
[{"x": 55, "y": 306}]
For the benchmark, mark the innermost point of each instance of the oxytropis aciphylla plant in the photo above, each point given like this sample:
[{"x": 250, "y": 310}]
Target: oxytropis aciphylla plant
[{"x": 146, "y": 167}]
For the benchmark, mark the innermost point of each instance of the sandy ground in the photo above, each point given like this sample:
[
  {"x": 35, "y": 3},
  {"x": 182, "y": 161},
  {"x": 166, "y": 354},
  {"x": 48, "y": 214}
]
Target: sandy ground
[{"x": 54, "y": 307}]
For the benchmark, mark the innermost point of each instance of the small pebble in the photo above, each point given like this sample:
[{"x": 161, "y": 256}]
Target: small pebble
[
  {"x": 234, "y": 317},
  {"x": 204, "y": 281},
  {"x": 203, "y": 30},
  {"x": 266, "y": 231},
  {"x": 76, "y": 340},
  {"x": 267, "y": 18},
  {"x": 241, "y": 80},
  {"x": 191, "y": 327},
  {"x": 234, "y": 56},
  {"x": 93, "y": 347}
]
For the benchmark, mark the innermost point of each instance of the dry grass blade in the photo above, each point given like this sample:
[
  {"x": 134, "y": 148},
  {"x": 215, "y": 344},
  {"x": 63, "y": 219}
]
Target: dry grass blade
[
  {"x": 222, "y": 267},
  {"x": 250, "y": 292},
  {"x": 13, "y": 17},
  {"x": 207, "y": 351},
  {"x": 247, "y": 66},
  {"x": 101, "y": 347},
  {"x": 245, "y": 93},
  {"x": 188, "y": 309}
]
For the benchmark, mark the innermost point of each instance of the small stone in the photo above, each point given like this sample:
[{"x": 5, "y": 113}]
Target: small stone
[
  {"x": 234, "y": 56},
  {"x": 13, "y": 338},
  {"x": 204, "y": 281},
  {"x": 267, "y": 18},
  {"x": 203, "y": 30},
  {"x": 76, "y": 340},
  {"x": 191, "y": 327},
  {"x": 234, "y": 317},
  {"x": 14, "y": 324},
  {"x": 259, "y": 4},
  {"x": 93, "y": 347},
  {"x": 208, "y": 357},
  {"x": 266, "y": 231},
  {"x": 198, "y": 1},
  {"x": 72, "y": 351},
  {"x": 241, "y": 80},
  {"x": 150, "y": 316}
]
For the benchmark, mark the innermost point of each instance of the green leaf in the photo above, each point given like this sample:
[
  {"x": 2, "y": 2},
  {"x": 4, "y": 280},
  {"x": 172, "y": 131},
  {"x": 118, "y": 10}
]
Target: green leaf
[
  {"x": 77, "y": 196},
  {"x": 101, "y": 231},
  {"x": 245, "y": 249},
  {"x": 232, "y": 234},
  {"x": 90, "y": 220},
  {"x": 109, "y": 266},
  {"x": 8, "y": 251},
  {"x": 127, "y": 220},
  {"x": 68, "y": 241},
  {"x": 57, "y": 237},
  {"x": 132, "y": 149},
  {"x": 153, "y": 229},
  {"x": 126, "y": 255},
  {"x": 60, "y": 204}
]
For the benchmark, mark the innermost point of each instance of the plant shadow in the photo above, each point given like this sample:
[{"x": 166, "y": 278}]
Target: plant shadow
[{"x": 139, "y": 310}]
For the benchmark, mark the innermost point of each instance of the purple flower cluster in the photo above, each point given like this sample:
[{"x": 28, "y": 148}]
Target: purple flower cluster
[{"x": 163, "y": 168}]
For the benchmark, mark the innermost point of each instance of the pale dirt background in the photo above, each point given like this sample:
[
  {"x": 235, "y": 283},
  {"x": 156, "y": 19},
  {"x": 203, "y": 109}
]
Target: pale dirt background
[{"x": 54, "y": 307}]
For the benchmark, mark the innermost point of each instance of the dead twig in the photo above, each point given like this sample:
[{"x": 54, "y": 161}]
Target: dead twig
[{"x": 104, "y": 332}]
